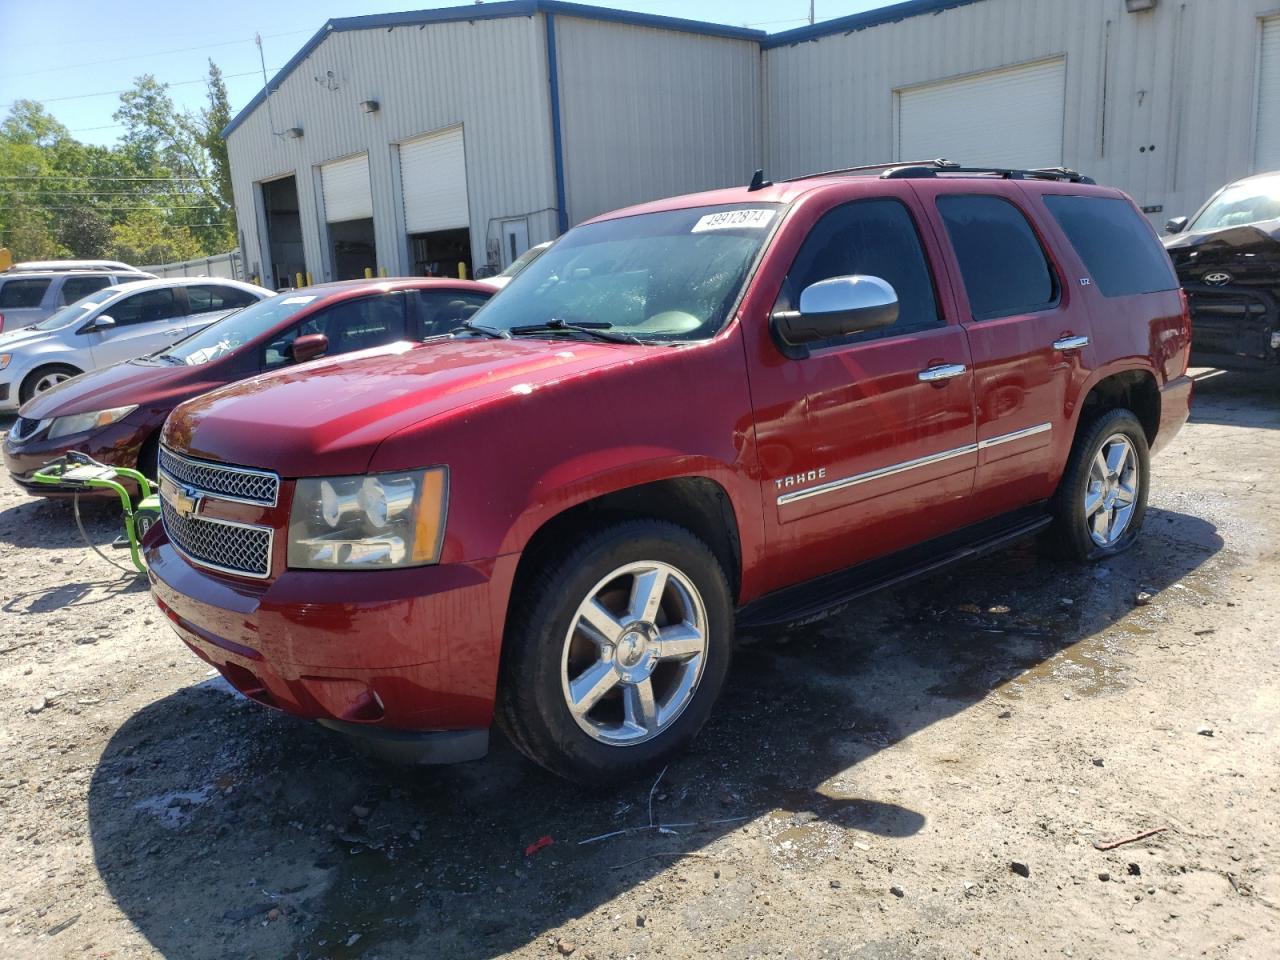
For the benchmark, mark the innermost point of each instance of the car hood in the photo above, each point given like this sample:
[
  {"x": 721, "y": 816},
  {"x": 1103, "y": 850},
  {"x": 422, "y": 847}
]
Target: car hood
[
  {"x": 24, "y": 337},
  {"x": 1248, "y": 254},
  {"x": 328, "y": 417},
  {"x": 119, "y": 385}
]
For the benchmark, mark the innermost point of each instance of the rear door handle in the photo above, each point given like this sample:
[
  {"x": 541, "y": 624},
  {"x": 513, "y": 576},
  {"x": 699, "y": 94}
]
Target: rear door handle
[
  {"x": 1071, "y": 343},
  {"x": 943, "y": 371}
]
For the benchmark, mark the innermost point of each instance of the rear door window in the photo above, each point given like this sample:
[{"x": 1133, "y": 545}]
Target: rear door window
[
  {"x": 436, "y": 312},
  {"x": 1115, "y": 243},
  {"x": 212, "y": 297},
  {"x": 19, "y": 294},
  {"x": 149, "y": 306},
  {"x": 73, "y": 288},
  {"x": 875, "y": 238},
  {"x": 350, "y": 325},
  {"x": 1003, "y": 266}
]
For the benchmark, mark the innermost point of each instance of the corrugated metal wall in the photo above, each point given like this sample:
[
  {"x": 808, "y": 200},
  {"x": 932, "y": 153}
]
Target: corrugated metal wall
[
  {"x": 1181, "y": 78},
  {"x": 488, "y": 75},
  {"x": 649, "y": 113}
]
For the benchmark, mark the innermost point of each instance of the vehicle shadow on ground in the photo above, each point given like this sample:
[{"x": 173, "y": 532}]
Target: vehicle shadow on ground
[
  {"x": 1241, "y": 398},
  {"x": 208, "y": 812}
]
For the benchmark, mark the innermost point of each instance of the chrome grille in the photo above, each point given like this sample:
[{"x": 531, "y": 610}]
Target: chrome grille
[
  {"x": 221, "y": 544},
  {"x": 227, "y": 483}
]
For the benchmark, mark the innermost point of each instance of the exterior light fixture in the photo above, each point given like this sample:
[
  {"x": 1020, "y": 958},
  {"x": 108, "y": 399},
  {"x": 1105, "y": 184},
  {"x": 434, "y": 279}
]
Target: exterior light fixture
[
  {"x": 294, "y": 133},
  {"x": 370, "y": 106},
  {"x": 1137, "y": 6}
]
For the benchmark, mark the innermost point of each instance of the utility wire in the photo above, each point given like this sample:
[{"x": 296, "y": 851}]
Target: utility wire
[
  {"x": 110, "y": 93},
  {"x": 77, "y": 176}
]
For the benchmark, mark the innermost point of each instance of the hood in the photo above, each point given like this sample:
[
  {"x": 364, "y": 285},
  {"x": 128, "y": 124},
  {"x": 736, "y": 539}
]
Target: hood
[
  {"x": 119, "y": 385},
  {"x": 1248, "y": 254},
  {"x": 12, "y": 340},
  {"x": 328, "y": 417}
]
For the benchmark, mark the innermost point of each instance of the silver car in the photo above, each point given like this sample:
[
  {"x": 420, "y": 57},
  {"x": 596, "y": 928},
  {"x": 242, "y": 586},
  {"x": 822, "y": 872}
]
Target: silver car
[
  {"x": 29, "y": 292},
  {"x": 116, "y": 323}
]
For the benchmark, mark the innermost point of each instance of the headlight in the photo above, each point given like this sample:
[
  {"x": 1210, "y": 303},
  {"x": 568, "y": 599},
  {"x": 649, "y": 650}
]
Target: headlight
[
  {"x": 80, "y": 422},
  {"x": 356, "y": 523},
  {"x": 4, "y": 359}
]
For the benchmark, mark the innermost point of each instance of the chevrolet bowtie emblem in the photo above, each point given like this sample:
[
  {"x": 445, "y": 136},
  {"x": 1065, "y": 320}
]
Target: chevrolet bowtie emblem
[{"x": 184, "y": 500}]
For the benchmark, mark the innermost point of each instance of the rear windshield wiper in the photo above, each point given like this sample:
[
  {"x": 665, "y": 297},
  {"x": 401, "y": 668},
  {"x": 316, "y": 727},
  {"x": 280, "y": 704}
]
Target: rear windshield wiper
[
  {"x": 593, "y": 329},
  {"x": 486, "y": 331}
]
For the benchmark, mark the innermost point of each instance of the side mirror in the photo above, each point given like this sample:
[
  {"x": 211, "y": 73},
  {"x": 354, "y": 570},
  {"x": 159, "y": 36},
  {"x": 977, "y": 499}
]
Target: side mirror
[
  {"x": 98, "y": 324},
  {"x": 1176, "y": 225},
  {"x": 836, "y": 308},
  {"x": 308, "y": 347}
]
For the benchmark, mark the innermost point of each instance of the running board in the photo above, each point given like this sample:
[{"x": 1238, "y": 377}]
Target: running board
[{"x": 813, "y": 598}]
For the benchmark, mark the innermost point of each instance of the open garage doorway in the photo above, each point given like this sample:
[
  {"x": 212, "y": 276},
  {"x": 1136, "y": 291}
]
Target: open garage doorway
[
  {"x": 284, "y": 232},
  {"x": 433, "y": 181},
  {"x": 353, "y": 249},
  {"x": 348, "y": 212},
  {"x": 442, "y": 253}
]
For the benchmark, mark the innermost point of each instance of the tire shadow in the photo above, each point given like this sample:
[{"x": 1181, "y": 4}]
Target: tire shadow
[{"x": 208, "y": 812}]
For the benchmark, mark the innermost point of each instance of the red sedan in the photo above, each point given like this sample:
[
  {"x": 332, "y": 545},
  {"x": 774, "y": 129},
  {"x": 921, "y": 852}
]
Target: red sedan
[{"x": 115, "y": 414}]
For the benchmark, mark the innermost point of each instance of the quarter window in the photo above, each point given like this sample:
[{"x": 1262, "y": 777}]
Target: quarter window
[
  {"x": 1004, "y": 268},
  {"x": 149, "y": 306},
  {"x": 73, "y": 288},
  {"x": 436, "y": 312},
  {"x": 207, "y": 299},
  {"x": 17, "y": 294},
  {"x": 875, "y": 238},
  {"x": 1115, "y": 243}
]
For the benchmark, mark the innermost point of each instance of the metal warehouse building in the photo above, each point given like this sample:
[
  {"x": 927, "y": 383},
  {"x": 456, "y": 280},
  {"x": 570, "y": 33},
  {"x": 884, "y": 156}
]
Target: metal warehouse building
[{"x": 408, "y": 143}]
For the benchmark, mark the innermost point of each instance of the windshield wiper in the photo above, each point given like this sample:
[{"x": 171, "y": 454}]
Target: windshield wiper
[
  {"x": 593, "y": 329},
  {"x": 489, "y": 332}
]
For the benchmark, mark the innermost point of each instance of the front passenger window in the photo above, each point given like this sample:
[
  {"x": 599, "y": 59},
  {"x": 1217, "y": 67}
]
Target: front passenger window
[
  {"x": 349, "y": 325},
  {"x": 149, "y": 306}
]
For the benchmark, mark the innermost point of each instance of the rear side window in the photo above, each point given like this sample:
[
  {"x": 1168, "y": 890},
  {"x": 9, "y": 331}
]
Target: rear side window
[
  {"x": 1115, "y": 243},
  {"x": 208, "y": 298},
  {"x": 73, "y": 288},
  {"x": 436, "y": 312},
  {"x": 17, "y": 294},
  {"x": 875, "y": 238},
  {"x": 1004, "y": 269}
]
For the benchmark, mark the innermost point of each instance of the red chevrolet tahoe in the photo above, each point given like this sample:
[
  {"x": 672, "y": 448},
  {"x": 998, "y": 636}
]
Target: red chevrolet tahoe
[{"x": 734, "y": 408}]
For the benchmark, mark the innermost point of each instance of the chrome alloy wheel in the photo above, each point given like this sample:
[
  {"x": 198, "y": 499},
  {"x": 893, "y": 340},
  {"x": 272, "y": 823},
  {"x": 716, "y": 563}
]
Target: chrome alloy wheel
[
  {"x": 49, "y": 381},
  {"x": 1112, "y": 491},
  {"x": 634, "y": 653}
]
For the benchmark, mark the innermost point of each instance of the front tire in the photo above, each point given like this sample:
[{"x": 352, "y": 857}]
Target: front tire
[
  {"x": 1102, "y": 500},
  {"x": 45, "y": 378},
  {"x": 616, "y": 652}
]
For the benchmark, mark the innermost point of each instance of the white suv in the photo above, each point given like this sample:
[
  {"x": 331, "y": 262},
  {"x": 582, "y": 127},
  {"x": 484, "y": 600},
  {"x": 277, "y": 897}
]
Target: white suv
[{"x": 116, "y": 323}]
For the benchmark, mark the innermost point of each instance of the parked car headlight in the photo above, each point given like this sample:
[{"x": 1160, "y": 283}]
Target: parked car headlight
[
  {"x": 4, "y": 359},
  {"x": 368, "y": 522},
  {"x": 80, "y": 422}
]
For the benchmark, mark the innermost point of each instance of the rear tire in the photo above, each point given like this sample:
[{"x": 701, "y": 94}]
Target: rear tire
[
  {"x": 1101, "y": 501},
  {"x": 45, "y": 378},
  {"x": 616, "y": 651}
]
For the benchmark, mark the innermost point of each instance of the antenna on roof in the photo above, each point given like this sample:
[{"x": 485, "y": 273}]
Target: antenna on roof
[{"x": 758, "y": 182}]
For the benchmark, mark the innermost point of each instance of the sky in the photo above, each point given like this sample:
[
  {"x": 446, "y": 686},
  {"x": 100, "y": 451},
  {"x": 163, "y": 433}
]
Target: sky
[{"x": 75, "y": 56}]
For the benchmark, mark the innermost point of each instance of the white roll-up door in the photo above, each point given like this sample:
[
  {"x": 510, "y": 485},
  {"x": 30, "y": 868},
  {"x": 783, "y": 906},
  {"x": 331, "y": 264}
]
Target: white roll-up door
[
  {"x": 345, "y": 184},
  {"x": 433, "y": 178},
  {"x": 1266, "y": 154},
  {"x": 1002, "y": 118}
]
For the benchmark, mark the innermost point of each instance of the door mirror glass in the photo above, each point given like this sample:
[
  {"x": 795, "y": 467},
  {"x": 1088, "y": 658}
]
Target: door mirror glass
[
  {"x": 835, "y": 308},
  {"x": 308, "y": 347},
  {"x": 98, "y": 324},
  {"x": 1176, "y": 225}
]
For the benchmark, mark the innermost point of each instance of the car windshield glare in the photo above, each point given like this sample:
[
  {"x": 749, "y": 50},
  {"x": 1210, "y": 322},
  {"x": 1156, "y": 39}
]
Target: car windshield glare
[
  {"x": 1249, "y": 201},
  {"x": 235, "y": 330},
  {"x": 77, "y": 311},
  {"x": 668, "y": 276}
]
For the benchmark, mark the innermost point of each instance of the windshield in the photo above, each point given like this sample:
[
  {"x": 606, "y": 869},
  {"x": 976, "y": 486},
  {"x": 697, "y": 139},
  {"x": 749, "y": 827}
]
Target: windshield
[
  {"x": 670, "y": 276},
  {"x": 1241, "y": 203},
  {"x": 235, "y": 330},
  {"x": 78, "y": 310}
]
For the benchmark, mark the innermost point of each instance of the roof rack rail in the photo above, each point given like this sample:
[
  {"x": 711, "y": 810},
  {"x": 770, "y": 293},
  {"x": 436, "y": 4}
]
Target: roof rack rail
[
  {"x": 861, "y": 169},
  {"x": 914, "y": 171}
]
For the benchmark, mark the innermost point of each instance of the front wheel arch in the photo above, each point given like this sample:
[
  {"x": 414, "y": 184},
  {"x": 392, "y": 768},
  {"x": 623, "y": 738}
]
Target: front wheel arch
[{"x": 32, "y": 379}]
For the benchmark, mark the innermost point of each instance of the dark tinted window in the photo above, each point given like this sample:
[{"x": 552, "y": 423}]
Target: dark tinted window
[
  {"x": 17, "y": 294},
  {"x": 875, "y": 238},
  {"x": 350, "y": 325},
  {"x": 435, "y": 312},
  {"x": 1115, "y": 244},
  {"x": 73, "y": 288},
  {"x": 206, "y": 299},
  {"x": 148, "y": 306},
  {"x": 1004, "y": 269}
]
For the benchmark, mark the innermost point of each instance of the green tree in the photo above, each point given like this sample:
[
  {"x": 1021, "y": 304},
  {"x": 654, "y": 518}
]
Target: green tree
[
  {"x": 84, "y": 232},
  {"x": 213, "y": 120},
  {"x": 145, "y": 238}
]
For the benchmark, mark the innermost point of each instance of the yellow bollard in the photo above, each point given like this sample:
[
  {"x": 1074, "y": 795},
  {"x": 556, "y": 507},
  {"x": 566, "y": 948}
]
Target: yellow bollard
[
  {"x": 368, "y": 273},
  {"x": 308, "y": 278},
  {"x": 297, "y": 279},
  {"x": 462, "y": 270},
  {"x": 382, "y": 271}
]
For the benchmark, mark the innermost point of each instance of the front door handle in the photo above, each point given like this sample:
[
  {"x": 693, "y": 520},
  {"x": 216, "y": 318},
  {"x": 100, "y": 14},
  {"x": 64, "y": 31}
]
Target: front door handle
[
  {"x": 1071, "y": 343},
  {"x": 943, "y": 371}
]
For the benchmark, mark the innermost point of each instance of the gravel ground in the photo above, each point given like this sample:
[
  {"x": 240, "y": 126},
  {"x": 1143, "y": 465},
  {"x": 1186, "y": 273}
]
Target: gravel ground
[{"x": 923, "y": 775}]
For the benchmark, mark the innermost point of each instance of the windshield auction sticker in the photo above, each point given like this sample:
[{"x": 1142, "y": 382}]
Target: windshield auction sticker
[{"x": 734, "y": 220}]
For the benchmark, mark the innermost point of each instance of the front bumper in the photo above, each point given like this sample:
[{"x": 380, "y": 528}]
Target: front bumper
[
  {"x": 393, "y": 653},
  {"x": 117, "y": 445}
]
